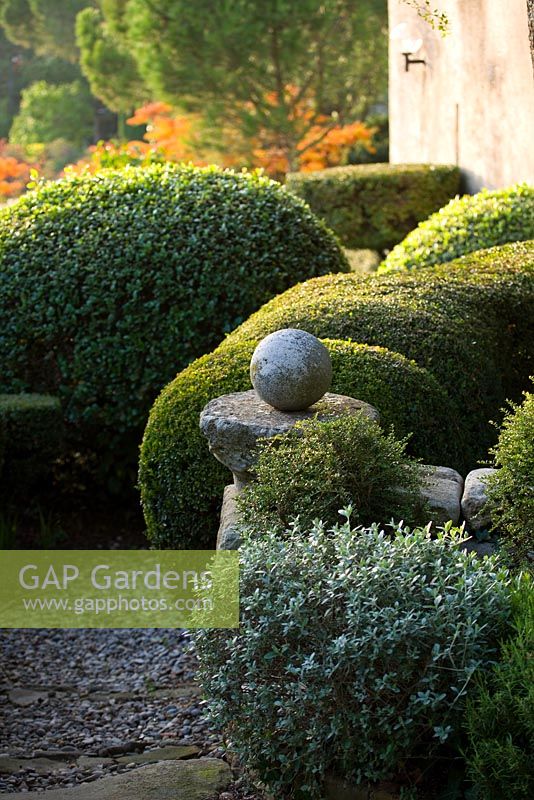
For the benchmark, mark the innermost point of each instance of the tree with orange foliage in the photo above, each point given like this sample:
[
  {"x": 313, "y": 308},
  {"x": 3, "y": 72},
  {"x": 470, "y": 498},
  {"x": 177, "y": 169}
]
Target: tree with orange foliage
[
  {"x": 173, "y": 135},
  {"x": 14, "y": 173},
  {"x": 182, "y": 137},
  {"x": 179, "y": 137},
  {"x": 324, "y": 142},
  {"x": 169, "y": 137}
]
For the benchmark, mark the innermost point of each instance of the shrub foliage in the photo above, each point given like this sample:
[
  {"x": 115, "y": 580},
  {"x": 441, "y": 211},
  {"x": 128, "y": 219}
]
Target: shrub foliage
[
  {"x": 113, "y": 282},
  {"x": 511, "y": 489},
  {"x": 466, "y": 224},
  {"x": 355, "y": 652},
  {"x": 468, "y": 326},
  {"x": 375, "y": 205},
  {"x": 500, "y": 717},
  {"x": 318, "y": 468}
]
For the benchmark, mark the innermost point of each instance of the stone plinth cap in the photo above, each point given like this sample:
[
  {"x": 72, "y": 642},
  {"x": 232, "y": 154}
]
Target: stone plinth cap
[{"x": 233, "y": 424}]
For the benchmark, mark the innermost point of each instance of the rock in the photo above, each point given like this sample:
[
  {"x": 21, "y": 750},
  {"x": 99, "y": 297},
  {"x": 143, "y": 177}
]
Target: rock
[
  {"x": 480, "y": 548},
  {"x": 199, "y": 779},
  {"x": 229, "y": 535},
  {"x": 57, "y": 755},
  {"x": 26, "y": 697},
  {"x": 233, "y": 424},
  {"x": 94, "y": 776},
  {"x": 475, "y": 498},
  {"x": 291, "y": 369},
  {"x": 442, "y": 489},
  {"x": 160, "y": 754}
]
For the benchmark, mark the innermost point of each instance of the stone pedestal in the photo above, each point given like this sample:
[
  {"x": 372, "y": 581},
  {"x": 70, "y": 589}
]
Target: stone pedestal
[
  {"x": 234, "y": 423},
  {"x": 229, "y": 534}
]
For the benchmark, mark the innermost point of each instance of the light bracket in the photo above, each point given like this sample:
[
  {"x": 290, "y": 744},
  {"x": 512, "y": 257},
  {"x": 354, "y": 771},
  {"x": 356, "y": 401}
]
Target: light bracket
[{"x": 408, "y": 60}]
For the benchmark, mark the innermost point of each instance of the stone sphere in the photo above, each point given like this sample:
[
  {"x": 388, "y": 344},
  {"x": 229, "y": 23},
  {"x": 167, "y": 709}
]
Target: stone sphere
[{"x": 291, "y": 369}]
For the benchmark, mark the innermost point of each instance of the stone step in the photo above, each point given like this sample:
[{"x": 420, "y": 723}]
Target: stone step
[{"x": 168, "y": 780}]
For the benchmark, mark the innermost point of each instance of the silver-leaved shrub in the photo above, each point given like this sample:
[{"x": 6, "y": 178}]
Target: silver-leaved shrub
[{"x": 355, "y": 652}]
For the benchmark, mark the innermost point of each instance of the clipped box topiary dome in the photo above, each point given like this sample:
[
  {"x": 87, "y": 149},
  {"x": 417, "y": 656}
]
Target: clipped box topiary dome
[
  {"x": 464, "y": 225},
  {"x": 112, "y": 283}
]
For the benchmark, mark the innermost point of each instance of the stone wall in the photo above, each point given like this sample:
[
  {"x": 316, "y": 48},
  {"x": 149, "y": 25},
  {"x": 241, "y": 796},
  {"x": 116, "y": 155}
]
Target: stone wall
[{"x": 472, "y": 103}]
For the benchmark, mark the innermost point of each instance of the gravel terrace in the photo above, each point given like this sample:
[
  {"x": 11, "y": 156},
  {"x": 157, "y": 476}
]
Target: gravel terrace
[{"x": 81, "y": 704}]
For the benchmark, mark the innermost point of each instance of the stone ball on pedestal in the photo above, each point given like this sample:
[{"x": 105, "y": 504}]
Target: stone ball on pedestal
[{"x": 291, "y": 369}]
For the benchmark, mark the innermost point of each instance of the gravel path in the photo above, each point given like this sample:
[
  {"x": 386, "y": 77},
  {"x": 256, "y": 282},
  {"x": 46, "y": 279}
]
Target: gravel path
[{"x": 84, "y": 703}]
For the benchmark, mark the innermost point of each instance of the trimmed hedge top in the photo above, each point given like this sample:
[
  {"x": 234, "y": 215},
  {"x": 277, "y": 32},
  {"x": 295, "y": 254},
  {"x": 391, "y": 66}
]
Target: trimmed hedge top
[
  {"x": 470, "y": 323},
  {"x": 31, "y": 432},
  {"x": 455, "y": 314},
  {"x": 113, "y": 282},
  {"x": 467, "y": 224},
  {"x": 375, "y": 205}
]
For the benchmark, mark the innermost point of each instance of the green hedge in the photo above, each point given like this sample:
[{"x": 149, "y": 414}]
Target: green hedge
[
  {"x": 469, "y": 326},
  {"x": 467, "y": 224},
  {"x": 113, "y": 282},
  {"x": 32, "y": 427},
  {"x": 510, "y": 490},
  {"x": 181, "y": 483},
  {"x": 375, "y": 205}
]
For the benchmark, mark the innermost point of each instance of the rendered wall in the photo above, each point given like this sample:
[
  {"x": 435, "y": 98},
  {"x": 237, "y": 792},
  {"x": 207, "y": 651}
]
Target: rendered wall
[{"x": 472, "y": 103}]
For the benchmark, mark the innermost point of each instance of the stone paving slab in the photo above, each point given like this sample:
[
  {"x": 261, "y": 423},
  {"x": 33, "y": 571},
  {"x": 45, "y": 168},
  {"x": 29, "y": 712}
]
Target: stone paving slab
[
  {"x": 43, "y": 765},
  {"x": 168, "y": 753},
  {"x": 10, "y": 765},
  {"x": 26, "y": 697},
  {"x": 168, "y": 780}
]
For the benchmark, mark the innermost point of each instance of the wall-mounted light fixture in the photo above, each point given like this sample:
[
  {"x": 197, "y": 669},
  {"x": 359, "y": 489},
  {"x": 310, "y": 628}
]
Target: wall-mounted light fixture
[{"x": 409, "y": 44}]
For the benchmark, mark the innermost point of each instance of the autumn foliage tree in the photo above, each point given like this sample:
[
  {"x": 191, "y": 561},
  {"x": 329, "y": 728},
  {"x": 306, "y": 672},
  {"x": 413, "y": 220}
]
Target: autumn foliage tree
[
  {"x": 179, "y": 137},
  {"x": 14, "y": 173},
  {"x": 323, "y": 141}
]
